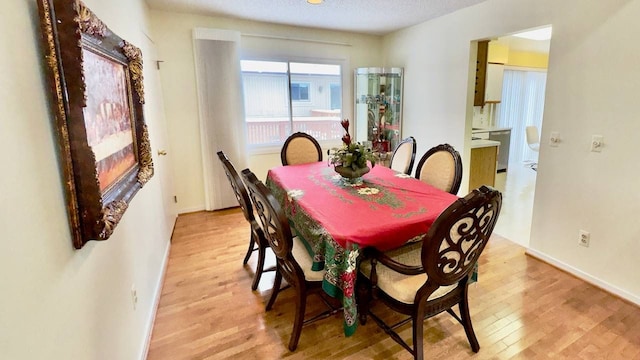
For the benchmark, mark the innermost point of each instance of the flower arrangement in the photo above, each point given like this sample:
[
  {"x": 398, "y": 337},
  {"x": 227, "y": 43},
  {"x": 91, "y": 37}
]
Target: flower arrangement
[{"x": 353, "y": 156}]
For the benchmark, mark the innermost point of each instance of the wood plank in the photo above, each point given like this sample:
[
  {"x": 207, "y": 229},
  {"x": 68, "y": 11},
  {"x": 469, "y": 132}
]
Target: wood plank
[{"x": 521, "y": 307}]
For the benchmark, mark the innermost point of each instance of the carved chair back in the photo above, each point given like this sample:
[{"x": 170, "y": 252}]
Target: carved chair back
[
  {"x": 275, "y": 226},
  {"x": 238, "y": 186},
  {"x": 458, "y": 236},
  {"x": 441, "y": 166}
]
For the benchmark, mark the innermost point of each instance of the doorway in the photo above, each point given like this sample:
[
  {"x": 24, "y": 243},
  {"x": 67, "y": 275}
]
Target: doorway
[{"x": 523, "y": 58}]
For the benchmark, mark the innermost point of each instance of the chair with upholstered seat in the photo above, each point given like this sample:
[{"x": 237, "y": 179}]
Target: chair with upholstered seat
[
  {"x": 293, "y": 261},
  {"x": 404, "y": 155},
  {"x": 533, "y": 141},
  {"x": 257, "y": 242},
  {"x": 426, "y": 278},
  {"x": 300, "y": 148},
  {"x": 441, "y": 167},
  {"x": 533, "y": 138}
]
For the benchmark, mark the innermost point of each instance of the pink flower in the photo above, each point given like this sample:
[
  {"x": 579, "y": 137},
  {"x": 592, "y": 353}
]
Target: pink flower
[{"x": 346, "y": 139}]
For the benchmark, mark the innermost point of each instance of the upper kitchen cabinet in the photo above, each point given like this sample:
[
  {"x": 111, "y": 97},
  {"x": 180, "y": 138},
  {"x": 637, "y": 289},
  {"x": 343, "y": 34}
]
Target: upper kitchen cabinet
[
  {"x": 493, "y": 84},
  {"x": 489, "y": 72},
  {"x": 378, "y": 107}
]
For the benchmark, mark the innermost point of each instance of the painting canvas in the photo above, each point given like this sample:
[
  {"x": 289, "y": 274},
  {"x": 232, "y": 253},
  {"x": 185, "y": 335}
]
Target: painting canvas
[
  {"x": 107, "y": 118},
  {"x": 97, "y": 96}
]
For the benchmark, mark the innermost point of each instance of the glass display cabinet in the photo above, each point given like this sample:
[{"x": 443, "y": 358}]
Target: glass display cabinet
[{"x": 378, "y": 107}]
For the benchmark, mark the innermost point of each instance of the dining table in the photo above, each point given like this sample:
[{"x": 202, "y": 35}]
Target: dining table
[{"x": 337, "y": 218}]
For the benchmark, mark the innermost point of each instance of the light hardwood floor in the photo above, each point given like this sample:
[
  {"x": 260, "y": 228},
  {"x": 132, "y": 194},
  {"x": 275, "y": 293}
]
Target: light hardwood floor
[{"x": 521, "y": 308}]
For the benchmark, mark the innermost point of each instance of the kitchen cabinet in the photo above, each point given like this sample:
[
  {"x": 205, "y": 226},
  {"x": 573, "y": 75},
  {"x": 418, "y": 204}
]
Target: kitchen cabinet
[
  {"x": 489, "y": 75},
  {"x": 481, "y": 73},
  {"x": 493, "y": 83},
  {"x": 484, "y": 156},
  {"x": 378, "y": 107}
]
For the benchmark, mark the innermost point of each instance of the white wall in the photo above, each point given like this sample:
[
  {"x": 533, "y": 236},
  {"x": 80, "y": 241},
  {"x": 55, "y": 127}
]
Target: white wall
[
  {"x": 175, "y": 45},
  {"x": 57, "y": 302},
  {"x": 593, "y": 86}
]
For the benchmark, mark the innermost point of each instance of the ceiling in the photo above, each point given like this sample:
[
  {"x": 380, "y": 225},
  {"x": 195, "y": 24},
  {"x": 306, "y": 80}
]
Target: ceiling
[{"x": 376, "y": 17}]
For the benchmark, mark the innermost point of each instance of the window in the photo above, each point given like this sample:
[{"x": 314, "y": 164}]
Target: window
[
  {"x": 281, "y": 98},
  {"x": 299, "y": 91}
]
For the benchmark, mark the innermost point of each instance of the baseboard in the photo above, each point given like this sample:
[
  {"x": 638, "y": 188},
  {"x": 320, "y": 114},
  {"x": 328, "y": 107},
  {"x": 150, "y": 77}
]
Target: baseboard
[
  {"x": 190, "y": 210},
  {"x": 584, "y": 276},
  {"x": 156, "y": 302}
]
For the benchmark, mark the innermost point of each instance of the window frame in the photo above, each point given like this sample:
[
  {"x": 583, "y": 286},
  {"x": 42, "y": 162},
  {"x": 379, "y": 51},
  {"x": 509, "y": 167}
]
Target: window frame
[{"x": 264, "y": 149}]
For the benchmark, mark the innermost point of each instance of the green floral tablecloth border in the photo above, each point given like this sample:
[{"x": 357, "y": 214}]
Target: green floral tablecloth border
[{"x": 339, "y": 263}]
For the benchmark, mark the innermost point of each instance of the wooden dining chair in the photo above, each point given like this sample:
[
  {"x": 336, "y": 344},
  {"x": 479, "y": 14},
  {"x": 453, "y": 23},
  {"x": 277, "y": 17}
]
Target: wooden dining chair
[
  {"x": 257, "y": 241},
  {"x": 441, "y": 166},
  {"x": 300, "y": 148},
  {"x": 293, "y": 261},
  {"x": 404, "y": 155},
  {"x": 426, "y": 278}
]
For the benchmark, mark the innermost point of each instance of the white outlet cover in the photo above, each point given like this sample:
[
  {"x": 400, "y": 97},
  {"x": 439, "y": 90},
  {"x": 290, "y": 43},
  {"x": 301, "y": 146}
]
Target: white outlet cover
[{"x": 584, "y": 237}]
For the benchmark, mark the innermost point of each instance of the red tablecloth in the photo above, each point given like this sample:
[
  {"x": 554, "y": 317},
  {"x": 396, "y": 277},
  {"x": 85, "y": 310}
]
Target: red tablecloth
[
  {"x": 384, "y": 212},
  {"x": 336, "y": 218}
]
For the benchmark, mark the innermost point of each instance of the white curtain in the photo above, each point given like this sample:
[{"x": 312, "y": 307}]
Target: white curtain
[
  {"x": 522, "y": 105},
  {"x": 221, "y": 108}
]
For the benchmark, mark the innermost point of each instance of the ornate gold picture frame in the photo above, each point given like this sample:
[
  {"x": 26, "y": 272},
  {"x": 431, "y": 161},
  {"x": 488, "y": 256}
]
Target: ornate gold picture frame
[{"x": 97, "y": 95}]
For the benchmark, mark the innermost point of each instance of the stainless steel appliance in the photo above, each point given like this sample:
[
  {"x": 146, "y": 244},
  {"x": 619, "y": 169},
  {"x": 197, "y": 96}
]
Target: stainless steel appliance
[{"x": 504, "y": 137}]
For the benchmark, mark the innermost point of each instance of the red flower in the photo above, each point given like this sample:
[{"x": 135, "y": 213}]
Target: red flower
[
  {"x": 346, "y": 139},
  {"x": 345, "y": 124}
]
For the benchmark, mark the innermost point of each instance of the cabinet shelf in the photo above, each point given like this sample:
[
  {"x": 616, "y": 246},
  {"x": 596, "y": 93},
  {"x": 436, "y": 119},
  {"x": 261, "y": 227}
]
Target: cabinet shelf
[{"x": 378, "y": 110}]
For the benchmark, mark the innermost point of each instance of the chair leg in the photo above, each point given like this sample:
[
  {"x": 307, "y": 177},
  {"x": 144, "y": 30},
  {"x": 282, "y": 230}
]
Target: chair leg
[
  {"x": 364, "y": 299},
  {"x": 418, "y": 330},
  {"x": 260, "y": 266},
  {"x": 276, "y": 288},
  {"x": 466, "y": 322},
  {"x": 252, "y": 244},
  {"x": 301, "y": 304}
]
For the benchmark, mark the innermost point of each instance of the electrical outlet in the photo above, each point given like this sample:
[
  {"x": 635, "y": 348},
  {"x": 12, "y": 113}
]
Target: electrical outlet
[
  {"x": 597, "y": 142},
  {"x": 134, "y": 296},
  {"x": 583, "y": 238}
]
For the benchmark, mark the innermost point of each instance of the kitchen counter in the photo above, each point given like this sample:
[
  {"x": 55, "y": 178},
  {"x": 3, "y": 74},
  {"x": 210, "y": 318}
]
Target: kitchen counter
[
  {"x": 483, "y": 163},
  {"x": 489, "y": 129},
  {"x": 481, "y": 143}
]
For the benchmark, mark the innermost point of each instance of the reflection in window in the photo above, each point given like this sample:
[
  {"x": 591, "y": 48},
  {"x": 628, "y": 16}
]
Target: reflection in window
[{"x": 299, "y": 91}]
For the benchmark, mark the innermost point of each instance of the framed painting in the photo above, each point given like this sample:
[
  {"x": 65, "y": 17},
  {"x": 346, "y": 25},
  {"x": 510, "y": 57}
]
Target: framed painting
[{"x": 97, "y": 96}]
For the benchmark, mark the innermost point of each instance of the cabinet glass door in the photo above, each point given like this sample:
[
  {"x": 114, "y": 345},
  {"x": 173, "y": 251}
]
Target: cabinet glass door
[{"x": 378, "y": 107}]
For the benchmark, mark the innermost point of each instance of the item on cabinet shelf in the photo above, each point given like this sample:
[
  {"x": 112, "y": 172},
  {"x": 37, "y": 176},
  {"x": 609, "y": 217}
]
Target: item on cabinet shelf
[
  {"x": 382, "y": 158},
  {"x": 381, "y": 146},
  {"x": 378, "y": 106}
]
